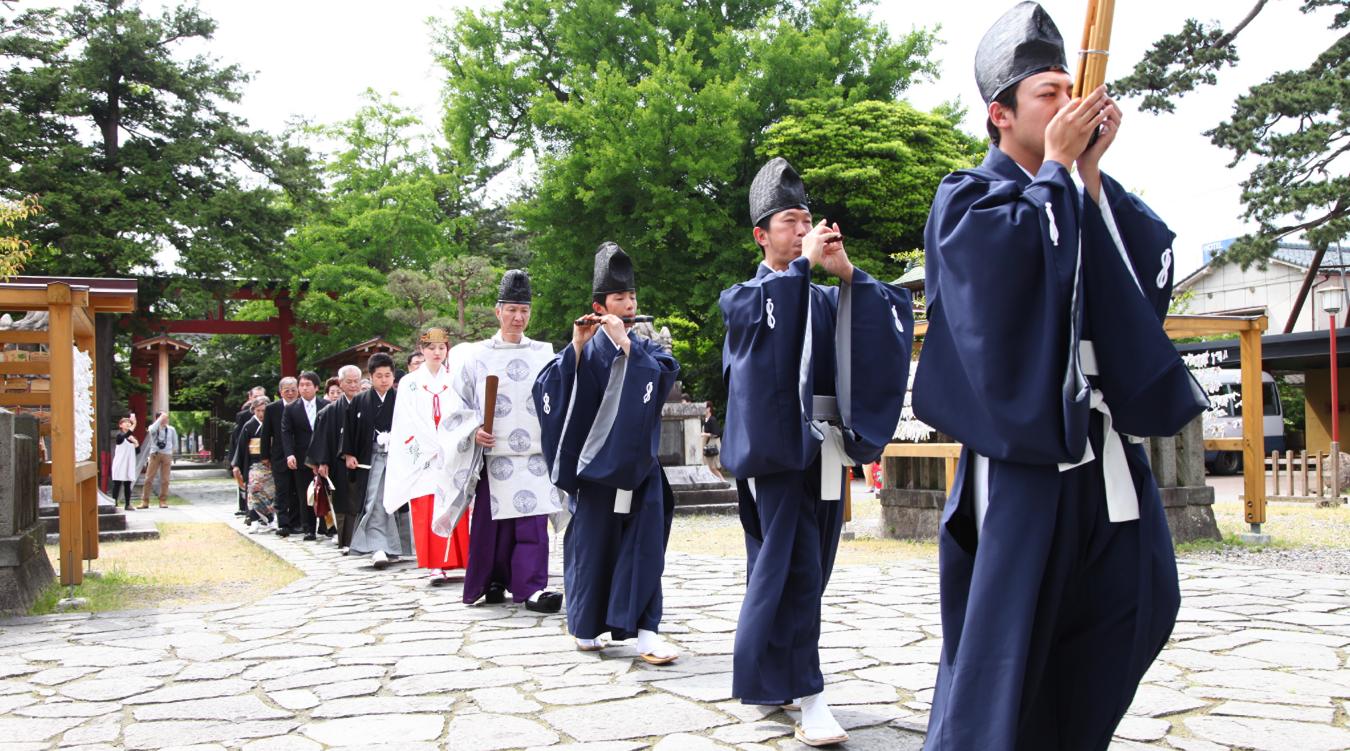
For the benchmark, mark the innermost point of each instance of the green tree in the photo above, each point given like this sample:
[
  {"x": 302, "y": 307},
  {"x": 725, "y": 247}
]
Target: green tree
[
  {"x": 1294, "y": 126},
  {"x": 131, "y": 147},
  {"x": 14, "y": 250},
  {"x": 385, "y": 207},
  {"x": 873, "y": 167},
  {"x": 644, "y": 120}
]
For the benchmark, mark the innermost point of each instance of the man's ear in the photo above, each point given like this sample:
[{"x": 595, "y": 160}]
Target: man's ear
[
  {"x": 597, "y": 308},
  {"x": 761, "y": 239},
  {"x": 999, "y": 115}
]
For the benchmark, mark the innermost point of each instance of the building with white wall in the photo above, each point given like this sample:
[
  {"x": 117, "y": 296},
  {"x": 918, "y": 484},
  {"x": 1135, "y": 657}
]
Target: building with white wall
[{"x": 1221, "y": 287}]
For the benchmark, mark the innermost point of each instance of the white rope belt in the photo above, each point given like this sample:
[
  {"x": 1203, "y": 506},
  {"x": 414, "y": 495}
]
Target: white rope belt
[{"x": 1122, "y": 501}]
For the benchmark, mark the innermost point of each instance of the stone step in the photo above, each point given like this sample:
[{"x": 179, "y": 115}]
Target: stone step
[
  {"x": 694, "y": 497},
  {"x": 53, "y": 511},
  {"x": 115, "y": 535},
  {"x": 710, "y": 509},
  {"x": 110, "y": 522}
]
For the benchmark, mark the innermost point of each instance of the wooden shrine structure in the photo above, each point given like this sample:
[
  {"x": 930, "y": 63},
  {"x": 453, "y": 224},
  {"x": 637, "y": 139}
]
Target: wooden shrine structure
[{"x": 49, "y": 380}]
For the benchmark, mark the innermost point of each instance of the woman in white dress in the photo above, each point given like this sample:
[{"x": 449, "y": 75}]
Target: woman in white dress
[{"x": 124, "y": 460}]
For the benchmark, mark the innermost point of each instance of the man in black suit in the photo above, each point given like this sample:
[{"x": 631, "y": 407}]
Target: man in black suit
[
  {"x": 245, "y": 414},
  {"x": 328, "y": 458},
  {"x": 297, "y": 430},
  {"x": 274, "y": 455}
]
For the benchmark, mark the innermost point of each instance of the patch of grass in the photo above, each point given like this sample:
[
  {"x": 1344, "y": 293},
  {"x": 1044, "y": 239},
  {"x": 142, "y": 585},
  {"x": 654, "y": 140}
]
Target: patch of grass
[
  {"x": 721, "y": 535},
  {"x": 108, "y": 592},
  {"x": 190, "y": 563},
  {"x": 1292, "y": 525}
]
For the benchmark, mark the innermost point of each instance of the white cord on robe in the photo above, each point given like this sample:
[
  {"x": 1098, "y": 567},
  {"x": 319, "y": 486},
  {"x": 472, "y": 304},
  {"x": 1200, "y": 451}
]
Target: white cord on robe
[
  {"x": 833, "y": 459},
  {"x": 1122, "y": 500}
]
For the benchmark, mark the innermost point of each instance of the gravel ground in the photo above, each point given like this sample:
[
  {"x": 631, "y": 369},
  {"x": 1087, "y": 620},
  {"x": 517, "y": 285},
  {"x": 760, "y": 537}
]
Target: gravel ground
[{"x": 1316, "y": 560}]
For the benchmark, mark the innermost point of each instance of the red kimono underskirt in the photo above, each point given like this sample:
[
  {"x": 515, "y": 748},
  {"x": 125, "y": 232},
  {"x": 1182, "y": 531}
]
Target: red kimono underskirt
[{"x": 434, "y": 551}]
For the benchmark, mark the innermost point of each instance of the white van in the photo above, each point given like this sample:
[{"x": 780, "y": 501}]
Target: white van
[{"x": 1228, "y": 422}]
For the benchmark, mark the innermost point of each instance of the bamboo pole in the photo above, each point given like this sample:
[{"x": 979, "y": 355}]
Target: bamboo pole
[{"x": 1095, "y": 50}]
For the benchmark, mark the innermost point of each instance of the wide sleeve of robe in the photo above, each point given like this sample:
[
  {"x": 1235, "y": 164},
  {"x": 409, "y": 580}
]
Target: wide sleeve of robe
[
  {"x": 874, "y": 334},
  {"x": 414, "y": 450},
  {"x": 620, "y": 449},
  {"x": 1143, "y": 379},
  {"x": 462, "y": 414},
  {"x": 553, "y": 392},
  {"x": 766, "y": 374},
  {"x": 999, "y": 370}
]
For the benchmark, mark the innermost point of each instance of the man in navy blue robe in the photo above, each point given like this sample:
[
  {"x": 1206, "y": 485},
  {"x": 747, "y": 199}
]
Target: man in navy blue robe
[
  {"x": 599, "y": 407},
  {"x": 816, "y": 379},
  {"x": 1045, "y": 357}
]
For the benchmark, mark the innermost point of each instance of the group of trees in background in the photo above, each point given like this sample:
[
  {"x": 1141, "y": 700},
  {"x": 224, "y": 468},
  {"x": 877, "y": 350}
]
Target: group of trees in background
[{"x": 639, "y": 122}]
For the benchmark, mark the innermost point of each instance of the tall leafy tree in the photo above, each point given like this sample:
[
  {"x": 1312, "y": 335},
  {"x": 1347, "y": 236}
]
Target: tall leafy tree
[
  {"x": 873, "y": 167},
  {"x": 1294, "y": 127},
  {"x": 388, "y": 207},
  {"x": 131, "y": 146},
  {"x": 644, "y": 119}
]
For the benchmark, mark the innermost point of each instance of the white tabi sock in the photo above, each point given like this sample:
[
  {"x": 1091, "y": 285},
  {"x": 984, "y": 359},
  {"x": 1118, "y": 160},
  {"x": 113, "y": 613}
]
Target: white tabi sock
[
  {"x": 589, "y": 643},
  {"x": 535, "y": 597},
  {"x": 817, "y": 720},
  {"x": 648, "y": 643}
]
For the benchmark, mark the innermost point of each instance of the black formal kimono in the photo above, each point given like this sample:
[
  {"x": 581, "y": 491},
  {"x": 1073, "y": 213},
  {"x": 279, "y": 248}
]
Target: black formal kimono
[
  {"x": 788, "y": 342},
  {"x": 286, "y": 500},
  {"x": 1045, "y": 353},
  {"x": 346, "y": 498},
  {"x": 368, "y": 418},
  {"x": 601, "y": 427}
]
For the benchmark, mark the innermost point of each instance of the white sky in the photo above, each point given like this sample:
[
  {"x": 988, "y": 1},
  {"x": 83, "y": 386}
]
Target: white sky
[{"x": 313, "y": 59}]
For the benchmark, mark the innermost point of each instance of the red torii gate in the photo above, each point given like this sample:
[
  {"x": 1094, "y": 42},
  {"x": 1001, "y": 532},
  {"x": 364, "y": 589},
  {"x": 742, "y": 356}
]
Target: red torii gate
[
  {"x": 216, "y": 322},
  {"x": 278, "y": 325}
]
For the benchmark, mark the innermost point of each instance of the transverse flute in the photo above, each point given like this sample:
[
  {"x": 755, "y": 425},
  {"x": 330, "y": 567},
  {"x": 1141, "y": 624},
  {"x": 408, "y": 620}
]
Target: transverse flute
[{"x": 591, "y": 319}]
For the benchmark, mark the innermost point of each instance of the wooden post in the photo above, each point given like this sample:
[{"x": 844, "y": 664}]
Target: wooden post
[
  {"x": 1335, "y": 467},
  {"x": 1303, "y": 464},
  {"x": 1289, "y": 462},
  {"x": 949, "y": 470},
  {"x": 1275, "y": 473},
  {"x": 89, "y": 485},
  {"x": 61, "y": 338},
  {"x": 1317, "y": 469},
  {"x": 848, "y": 494},
  {"x": 1253, "y": 436}
]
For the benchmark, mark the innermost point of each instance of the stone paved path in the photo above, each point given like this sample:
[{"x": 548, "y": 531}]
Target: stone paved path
[{"x": 349, "y": 657}]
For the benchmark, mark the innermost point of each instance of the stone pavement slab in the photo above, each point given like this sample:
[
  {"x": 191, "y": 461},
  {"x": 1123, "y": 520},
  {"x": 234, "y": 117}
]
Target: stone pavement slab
[{"x": 351, "y": 657}]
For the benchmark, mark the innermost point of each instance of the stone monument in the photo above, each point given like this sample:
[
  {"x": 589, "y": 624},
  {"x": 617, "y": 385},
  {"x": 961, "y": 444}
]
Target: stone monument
[
  {"x": 695, "y": 487},
  {"x": 24, "y": 568}
]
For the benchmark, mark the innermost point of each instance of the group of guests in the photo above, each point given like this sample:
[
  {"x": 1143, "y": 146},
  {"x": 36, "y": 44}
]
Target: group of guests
[
  {"x": 312, "y": 467},
  {"x": 1044, "y": 355}
]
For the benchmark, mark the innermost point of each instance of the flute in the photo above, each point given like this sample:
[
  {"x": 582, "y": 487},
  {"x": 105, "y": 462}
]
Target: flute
[
  {"x": 591, "y": 319},
  {"x": 1094, "y": 52}
]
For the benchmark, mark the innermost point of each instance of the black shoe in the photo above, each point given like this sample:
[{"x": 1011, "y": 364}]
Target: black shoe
[
  {"x": 240, "y": 513},
  {"x": 248, "y": 522},
  {"x": 283, "y": 532},
  {"x": 548, "y": 602},
  {"x": 310, "y": 537},
  {"x": 496, "y": 594}
]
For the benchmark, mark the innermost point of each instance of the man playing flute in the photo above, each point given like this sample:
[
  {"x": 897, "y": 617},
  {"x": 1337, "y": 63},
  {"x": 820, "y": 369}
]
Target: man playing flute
[
  {"x": 599, "y": 403},
  {"x": 1045, "y": 356},
  {"x": 816, "y": 378}
]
